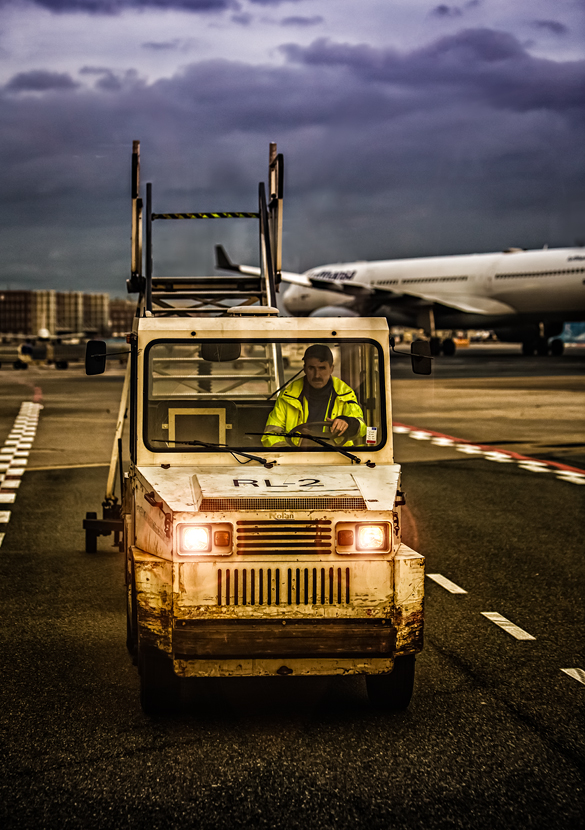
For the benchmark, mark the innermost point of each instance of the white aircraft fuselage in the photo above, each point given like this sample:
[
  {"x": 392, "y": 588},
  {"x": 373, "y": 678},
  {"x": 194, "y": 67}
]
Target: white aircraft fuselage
[{"x": 506, "y": 289}]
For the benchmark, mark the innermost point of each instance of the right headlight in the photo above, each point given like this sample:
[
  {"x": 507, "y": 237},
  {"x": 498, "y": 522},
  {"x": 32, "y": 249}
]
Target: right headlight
[{"x": 372, "y": 537}]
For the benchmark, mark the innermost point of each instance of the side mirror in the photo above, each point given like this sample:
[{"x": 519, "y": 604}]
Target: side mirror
[
  {"x": 95, "y": 357},
  {"x": 420, "y": 356},
  {"x": 220, "y": 352}
]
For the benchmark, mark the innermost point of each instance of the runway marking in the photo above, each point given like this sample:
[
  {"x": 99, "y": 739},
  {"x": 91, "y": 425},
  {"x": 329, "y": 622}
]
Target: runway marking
[
  {"x": 576, "y": 674},
  {"x": 563, "y": 472},
  {"x": 446, "y": 583},
  {"x": 508, "y": 626},
  {"x": 14, "y": 455},
  {"x": 70, "y": 466}
]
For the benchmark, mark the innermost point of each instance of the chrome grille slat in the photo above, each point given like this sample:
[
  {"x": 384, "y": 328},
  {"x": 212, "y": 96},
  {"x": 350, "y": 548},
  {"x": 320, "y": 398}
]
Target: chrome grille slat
[
  {"x": 283, "y": 586},
  {"x": 284, "y": 535}
]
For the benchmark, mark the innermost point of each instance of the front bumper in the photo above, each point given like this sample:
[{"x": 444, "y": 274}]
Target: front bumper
[{"x": 234, "y": 639}]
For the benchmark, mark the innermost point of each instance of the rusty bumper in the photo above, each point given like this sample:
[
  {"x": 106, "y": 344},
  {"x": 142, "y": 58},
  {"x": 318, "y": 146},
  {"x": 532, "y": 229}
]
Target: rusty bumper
[{"x": 241, "y": 639}]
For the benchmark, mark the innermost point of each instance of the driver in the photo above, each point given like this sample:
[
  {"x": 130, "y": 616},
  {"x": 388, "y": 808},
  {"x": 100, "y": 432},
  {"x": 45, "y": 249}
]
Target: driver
[{"x": 318, "y": 397}]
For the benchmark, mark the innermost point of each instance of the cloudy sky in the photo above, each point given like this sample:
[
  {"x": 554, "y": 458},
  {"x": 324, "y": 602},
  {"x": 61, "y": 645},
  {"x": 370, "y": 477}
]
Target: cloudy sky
[{"x": 408, "y": 128}]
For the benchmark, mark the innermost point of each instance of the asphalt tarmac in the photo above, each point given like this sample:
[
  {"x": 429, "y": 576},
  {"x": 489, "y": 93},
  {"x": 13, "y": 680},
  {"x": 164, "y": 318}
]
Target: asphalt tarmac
[{"x": 494, "y": 735}]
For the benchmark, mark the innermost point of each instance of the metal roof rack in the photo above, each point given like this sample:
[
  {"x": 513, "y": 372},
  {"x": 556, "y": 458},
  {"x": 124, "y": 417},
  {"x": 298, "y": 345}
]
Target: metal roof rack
[{"x": 216, "y": 295}]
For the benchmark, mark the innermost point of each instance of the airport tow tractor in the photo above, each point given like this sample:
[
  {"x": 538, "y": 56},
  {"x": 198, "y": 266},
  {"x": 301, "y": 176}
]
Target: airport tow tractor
[{"x": 257, "y": 551}]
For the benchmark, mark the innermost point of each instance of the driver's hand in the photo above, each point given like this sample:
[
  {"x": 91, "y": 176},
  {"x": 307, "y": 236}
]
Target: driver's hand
[{"x": 338, "y": 426}]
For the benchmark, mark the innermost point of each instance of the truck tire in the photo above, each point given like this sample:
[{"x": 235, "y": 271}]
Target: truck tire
[
  {"x": 132, "y": 626},
  {"x": 393, "y": 691},
  {"x": 90, "y": 536},
  {"x": 159, "y": 685}
]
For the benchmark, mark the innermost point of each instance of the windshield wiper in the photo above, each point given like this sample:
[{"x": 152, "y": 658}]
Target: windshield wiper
[
  {"x": 221, "y": 447},
  {"x": 320, "y": 441}
]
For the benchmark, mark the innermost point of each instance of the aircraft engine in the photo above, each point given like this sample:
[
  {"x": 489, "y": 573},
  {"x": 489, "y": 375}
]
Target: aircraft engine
[{"x": 334, "y": 311}]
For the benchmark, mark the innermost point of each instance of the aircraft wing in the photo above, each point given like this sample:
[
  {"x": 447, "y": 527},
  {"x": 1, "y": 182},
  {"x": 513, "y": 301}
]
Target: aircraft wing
[
  {"x": 470, "y": 304},
  {"x": 223, "y": 262}
]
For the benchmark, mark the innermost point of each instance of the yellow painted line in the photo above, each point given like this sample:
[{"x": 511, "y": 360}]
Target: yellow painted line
[{"x": 69, "y": 466}]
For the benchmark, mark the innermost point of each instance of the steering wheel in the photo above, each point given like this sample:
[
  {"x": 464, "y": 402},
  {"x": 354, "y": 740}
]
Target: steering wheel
[{"x": 314, "y": 428}]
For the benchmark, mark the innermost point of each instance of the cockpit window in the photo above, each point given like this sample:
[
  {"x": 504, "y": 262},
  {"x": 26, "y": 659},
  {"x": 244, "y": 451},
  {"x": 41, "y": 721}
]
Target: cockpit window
[{"x": 263, "y": 395}]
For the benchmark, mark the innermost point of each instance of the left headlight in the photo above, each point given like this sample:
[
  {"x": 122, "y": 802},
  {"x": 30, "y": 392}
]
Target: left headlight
[
  {"x": 195, "y": 539},
  {"x": 214, "y": 539}
]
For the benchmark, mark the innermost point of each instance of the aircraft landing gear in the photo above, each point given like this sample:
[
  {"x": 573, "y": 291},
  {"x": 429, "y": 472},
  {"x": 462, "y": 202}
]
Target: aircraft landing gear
[
  {"x": 557, "y": 347},
  {"x": 435, "y": 345},
  {"x": 446, "y": 347},
  {"x": 542, "y": 347},
  {"x": 449, "y": 347}
]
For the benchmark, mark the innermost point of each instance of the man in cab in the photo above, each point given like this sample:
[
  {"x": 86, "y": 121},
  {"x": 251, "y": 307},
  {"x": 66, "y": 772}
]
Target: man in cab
[{"x": 317, "y": 398}]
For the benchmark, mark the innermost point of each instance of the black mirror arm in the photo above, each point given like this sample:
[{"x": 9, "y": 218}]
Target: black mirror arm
[{"x": 404, "y": 354}]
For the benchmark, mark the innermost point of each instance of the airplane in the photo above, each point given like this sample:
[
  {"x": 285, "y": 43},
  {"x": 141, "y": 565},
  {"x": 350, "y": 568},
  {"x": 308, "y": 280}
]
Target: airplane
[{"x": 524, "y": 296}]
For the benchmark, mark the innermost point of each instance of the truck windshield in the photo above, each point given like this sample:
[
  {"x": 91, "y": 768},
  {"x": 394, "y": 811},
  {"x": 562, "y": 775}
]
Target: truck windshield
[{"x": 264, "y": 395}]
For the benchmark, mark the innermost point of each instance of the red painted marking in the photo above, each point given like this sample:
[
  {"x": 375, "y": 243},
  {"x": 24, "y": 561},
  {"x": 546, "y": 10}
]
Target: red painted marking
[{"x": 490, "y": 448}]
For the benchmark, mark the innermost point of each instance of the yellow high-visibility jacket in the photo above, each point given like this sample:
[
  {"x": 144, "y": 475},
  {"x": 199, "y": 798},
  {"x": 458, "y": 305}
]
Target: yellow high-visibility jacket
[{"x": 292, "y": 409}]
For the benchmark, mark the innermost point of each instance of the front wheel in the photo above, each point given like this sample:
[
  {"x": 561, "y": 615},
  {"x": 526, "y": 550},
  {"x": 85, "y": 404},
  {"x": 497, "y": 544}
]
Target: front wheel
[
  {"x": 159, "y": 685},
  {"x": 393, "y": 691}
]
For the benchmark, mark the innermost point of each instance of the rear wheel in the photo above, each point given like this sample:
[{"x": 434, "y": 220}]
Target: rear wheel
[
  {"x": 449, "y": 347},
  {"x": 90, "y": 536},
  {"x": 542, "y": 346},
  {"x": 393, "y": 691},
  {"x": 159, "y": 685},
  {"x": 557, "y": 347}
]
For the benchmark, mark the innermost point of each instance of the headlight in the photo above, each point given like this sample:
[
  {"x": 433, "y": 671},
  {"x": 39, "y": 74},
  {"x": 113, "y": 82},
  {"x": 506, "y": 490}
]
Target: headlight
[
  {"x": 371, "y": 537},
  {"x": 204, "y": 539},
  {"x": 363, "y": 537},
  {"x": 195, "y": 539}
]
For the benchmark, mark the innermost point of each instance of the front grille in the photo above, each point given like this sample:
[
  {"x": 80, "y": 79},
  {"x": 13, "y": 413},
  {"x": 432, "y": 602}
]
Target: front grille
[
  {"x": 283, "y": 586},
  {"x": 284, "y": 536},
  {"x": 211, "y": 505}
]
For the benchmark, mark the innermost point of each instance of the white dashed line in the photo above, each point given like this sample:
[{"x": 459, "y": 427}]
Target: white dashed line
[
  {"x": 572, "y": 478},
  {"x": 508, "y": 626},
  {"x": 469, "y": 449},
  {"x": 442, "y": 442},
  {"x": 446, "y": 583},
  {"x": 14, "y": 456},
  {"x": 498, "y": 456},
  {"x": 576, "y": 674},
  {"x": 531, "y": 465}
]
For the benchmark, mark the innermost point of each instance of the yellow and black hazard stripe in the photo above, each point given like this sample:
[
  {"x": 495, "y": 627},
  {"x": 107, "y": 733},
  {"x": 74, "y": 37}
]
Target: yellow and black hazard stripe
[{"x": 224, "y": 215}]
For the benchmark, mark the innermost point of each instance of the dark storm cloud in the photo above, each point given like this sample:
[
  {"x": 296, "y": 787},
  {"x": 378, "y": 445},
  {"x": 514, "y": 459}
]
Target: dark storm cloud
[
  {"x": 468, "y": 144},
  {"x": 551, "y": 26},
  {"x": 162, "y": 46},
  {"x": 446, "y": 11},
  {"x": 39, "y": 80},
  {"x": 475, "y": 63},
  {"x": 116, "y": 6},
  {"x": 301, "y": 21},
  {"x": 273, "y": 2}
]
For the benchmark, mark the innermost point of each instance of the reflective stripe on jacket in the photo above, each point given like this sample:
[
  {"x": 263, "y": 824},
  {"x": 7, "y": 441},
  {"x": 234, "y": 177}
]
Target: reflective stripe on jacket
[{"x": 292, "y": 409}]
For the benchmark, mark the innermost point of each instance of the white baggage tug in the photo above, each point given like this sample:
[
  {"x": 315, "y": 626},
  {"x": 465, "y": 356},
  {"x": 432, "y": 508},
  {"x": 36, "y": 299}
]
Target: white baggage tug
[{"x": 253, "y": 549}]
